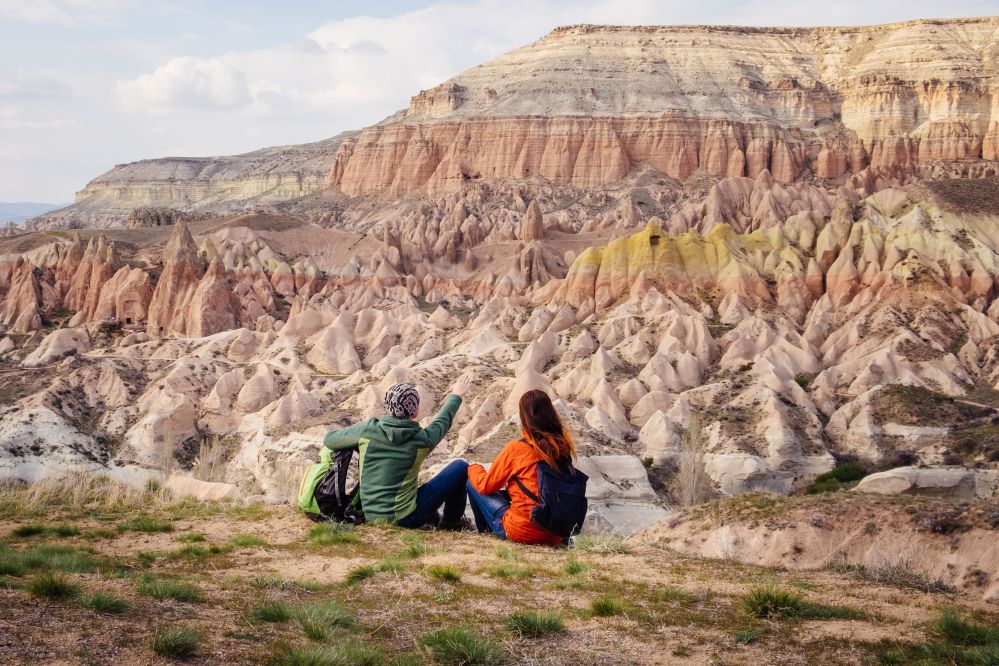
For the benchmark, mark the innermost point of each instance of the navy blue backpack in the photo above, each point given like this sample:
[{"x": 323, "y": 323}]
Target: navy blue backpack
[{"x": 561, "y": 499}]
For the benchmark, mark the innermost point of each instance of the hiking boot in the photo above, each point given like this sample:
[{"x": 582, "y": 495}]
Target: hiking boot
[{"x": 463, "y": 524}]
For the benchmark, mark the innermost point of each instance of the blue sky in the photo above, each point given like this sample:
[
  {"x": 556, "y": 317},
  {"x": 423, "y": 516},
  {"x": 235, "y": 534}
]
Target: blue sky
[{"x": 86, "y": 84}]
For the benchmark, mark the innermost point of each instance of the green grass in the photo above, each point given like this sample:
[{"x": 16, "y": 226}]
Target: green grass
[
  {"x": 444, "y": 574},
  {"x": 25, "y": 531},
  {"x": 747, "y": 636},
  {"x": 64, "y": 531},
  {"x": 99, "y": 533},
  {"x": 415, "y": 548},
  {"x": 61, "y": 558},
  {"x": 191, "y": 537},
  {"x": 510, "y": 571},
  {"x": 347, "y": 653},
  {"x": 106, "y": 602},
  {"x": 145, "y": 524},
  {"x": 951, "y": 627},
  {"x": 271, "y": 610},
  {"x": 534, "y": 624},
  {"x": 505, "y": 552},
  {"x": 175, "y": 642},
  {"x": 318, "y": 620},
  {"x": 164, "y": 589},
  {"x": 958, "y": 642},
  {"x": 52, "y": 585},
  {"x": 606, "y": 606},
  {"x": 605, "y": 544},
  {"x": 774, "y": 603},
  {"x": 331, "y": 534},
  {"x": 273, "y": 582},
  {"x": 574, "y": 567},
  {"x": 358, "y": 574},
  {"x": 246, "y": 541},
  {"x": 363, "y": 572},
  {"x": 461, "y": 647}
]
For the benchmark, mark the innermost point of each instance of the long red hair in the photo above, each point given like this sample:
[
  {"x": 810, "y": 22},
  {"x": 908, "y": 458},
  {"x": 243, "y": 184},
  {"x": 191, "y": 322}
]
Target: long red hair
[{"x": 543, "y": 429}]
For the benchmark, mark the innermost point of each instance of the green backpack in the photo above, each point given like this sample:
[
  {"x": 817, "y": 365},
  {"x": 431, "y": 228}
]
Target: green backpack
[{"x": 323, "y": 493}]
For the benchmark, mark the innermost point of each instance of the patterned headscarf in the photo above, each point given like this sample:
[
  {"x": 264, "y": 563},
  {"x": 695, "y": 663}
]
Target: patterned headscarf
[{"x": 402, "y": 401}]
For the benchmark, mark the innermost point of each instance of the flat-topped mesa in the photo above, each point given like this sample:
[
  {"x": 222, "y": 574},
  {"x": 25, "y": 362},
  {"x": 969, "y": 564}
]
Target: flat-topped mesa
[{"x": 586, "y": 104}]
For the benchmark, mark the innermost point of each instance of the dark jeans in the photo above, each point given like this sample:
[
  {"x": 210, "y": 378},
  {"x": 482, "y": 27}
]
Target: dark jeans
[
  {"x": 447, "y": 488},
  {"x": 489, "y": 510}
]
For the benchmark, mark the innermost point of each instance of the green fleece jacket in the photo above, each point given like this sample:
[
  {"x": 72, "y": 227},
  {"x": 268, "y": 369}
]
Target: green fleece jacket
[{"x": 391, "y": 453}]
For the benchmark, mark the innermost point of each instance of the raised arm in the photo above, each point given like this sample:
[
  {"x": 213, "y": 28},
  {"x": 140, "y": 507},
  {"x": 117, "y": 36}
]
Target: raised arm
[
  {"x": 435, "y": 432},
  {"x": 345, "y": 438}
]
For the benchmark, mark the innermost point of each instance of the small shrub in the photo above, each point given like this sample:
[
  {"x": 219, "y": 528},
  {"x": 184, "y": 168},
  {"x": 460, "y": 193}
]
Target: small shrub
[
  {"x": 803, "y": 380},
  {"x": 600, "y": 543},
  {"x": 170, "y": 589},
  {"x": 461, "y": 647},
  {"x": 535, "y": 624},
  {"x": 24, "y": 531},
  {"x": 246, "y": 541},
  {"x": 145, "y": 524},
  {"x": 773, "y": 603},
  {"x": 900, "y": 572},
  {"x": 52, "y": 585},
  {"x": 444, "y": 574},
  {"x": 836, "y": 478},
  {"x": 271, "y": 611},
  {"x": 606, "y": 606},
  {"x": 747, "y": 636},
  {"x": 107, "y": 603},
  {"x": 329, "y": 534},
  {"x": 175, "y": 642}
]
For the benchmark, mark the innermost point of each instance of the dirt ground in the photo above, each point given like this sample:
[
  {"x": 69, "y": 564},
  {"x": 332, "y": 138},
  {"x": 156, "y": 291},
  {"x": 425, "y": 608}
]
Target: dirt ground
[{"x": 401, "y": 585}]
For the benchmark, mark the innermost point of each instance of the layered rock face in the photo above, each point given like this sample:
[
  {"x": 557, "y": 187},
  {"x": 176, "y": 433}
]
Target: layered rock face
[
  {"x": 197, "y": 185},
  {"x": 586, "y": 104}
]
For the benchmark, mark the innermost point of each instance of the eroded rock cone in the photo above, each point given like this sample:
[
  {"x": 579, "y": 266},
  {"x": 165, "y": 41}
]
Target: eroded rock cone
[{"x": 182, "y": 271}]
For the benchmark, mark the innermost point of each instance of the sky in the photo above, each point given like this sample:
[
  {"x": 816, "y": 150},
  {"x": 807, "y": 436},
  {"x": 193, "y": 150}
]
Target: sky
[{"x": 87, "y": 84}]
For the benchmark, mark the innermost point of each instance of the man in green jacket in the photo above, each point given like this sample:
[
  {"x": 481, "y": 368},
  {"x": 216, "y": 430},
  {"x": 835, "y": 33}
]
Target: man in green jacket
[{"x": 392, "y": 449}]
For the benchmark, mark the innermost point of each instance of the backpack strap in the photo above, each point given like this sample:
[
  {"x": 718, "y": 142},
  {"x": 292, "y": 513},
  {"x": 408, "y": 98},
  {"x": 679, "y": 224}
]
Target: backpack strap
[{"x": 523, "y": 488}]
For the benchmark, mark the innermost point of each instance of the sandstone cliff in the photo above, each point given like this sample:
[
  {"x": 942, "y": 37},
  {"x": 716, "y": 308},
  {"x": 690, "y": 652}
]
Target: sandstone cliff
[{"x": 586, "y": 105}]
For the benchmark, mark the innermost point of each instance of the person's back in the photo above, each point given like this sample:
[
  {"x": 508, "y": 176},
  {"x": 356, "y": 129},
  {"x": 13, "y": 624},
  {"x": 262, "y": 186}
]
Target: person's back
[
  {"x": 392, "y": 449},
  {"x": 501, "y": 498}
]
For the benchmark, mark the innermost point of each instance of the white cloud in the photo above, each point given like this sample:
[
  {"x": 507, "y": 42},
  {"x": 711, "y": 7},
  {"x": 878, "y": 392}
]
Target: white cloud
[
  {"x": 34, "y": 11},
  {"x": 194, "y": 83}
]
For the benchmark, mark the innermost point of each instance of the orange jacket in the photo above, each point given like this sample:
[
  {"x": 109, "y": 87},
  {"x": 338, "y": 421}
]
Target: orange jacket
[{"x": 516, "y": 460}]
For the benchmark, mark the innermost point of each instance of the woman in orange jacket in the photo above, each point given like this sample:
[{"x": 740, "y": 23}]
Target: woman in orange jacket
[{"x": 508, "y": 513}]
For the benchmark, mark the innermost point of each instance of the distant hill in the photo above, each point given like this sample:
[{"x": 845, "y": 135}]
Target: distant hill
[{"x": 19, "y": 211}]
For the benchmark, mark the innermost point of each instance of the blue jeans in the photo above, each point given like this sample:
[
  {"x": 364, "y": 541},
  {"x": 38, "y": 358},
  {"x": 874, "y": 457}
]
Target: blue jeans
[
  {"x": 489, "y": 510},
  {"x": 448, "y": 489}
]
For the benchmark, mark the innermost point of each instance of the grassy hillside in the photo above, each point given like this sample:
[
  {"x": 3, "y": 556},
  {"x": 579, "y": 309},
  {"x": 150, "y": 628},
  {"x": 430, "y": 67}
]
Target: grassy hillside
[{"x": 93, "y": 572}]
